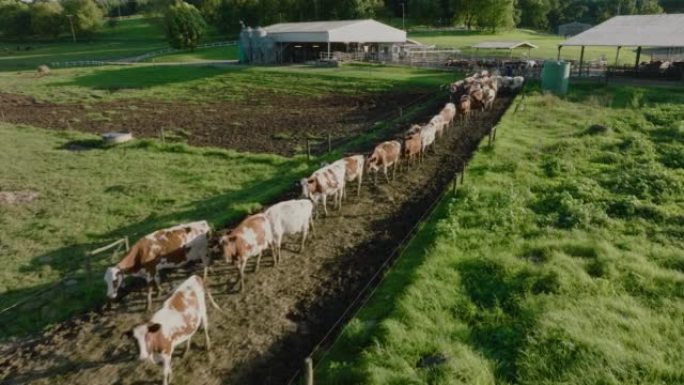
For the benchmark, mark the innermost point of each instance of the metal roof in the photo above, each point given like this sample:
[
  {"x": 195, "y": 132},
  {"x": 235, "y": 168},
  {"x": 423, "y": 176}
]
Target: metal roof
[
  {"x": 634, "y": 31},
  {"x": 342, "y": 31},
  {"x": 504, "y": 44}
]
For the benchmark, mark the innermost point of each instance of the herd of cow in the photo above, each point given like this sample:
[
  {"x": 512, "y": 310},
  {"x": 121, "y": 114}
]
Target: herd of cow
[{"x": 185, "y": 310}]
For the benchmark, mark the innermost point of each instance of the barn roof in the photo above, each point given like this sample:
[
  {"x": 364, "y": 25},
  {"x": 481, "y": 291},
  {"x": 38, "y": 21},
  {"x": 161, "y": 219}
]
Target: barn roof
[
  {"x": 341, "y": 31},
  {"x": 634, "y": 31},
  {"x": 504, "y": 44}
]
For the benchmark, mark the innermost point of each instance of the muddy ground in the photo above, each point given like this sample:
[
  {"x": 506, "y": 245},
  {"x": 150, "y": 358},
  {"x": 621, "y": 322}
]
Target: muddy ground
[
  {"x": 265, "y": 122},
  {"x": 282, "y": 313}
]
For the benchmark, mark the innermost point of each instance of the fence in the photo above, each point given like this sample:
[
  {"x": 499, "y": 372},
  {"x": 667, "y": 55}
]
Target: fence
[
  {"x": 50, "y": 293},
  {"x": 136, "y": 59}
]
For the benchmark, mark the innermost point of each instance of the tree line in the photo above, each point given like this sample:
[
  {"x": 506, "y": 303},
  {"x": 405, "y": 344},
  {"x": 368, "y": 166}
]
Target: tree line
[{"x": 186, "y": 21}]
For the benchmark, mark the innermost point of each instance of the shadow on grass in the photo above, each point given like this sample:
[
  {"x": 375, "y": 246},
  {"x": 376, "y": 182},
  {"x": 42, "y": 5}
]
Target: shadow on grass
[{"x": 141, "y": 77}]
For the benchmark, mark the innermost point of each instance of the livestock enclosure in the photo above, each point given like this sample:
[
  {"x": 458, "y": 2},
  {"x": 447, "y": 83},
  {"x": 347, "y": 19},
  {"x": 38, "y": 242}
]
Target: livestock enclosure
[{"x": 557, "y": 242}]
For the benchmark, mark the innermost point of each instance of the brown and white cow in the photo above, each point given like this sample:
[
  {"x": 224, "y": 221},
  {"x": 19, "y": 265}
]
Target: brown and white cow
[
  {"x": 385, "y": 155},
  {"x": 250, "y": 238},
  {"x": 439, "y": 123},
  {"x": 412, "y": 149},
  {"x": 328, "y": 181},
  {"x": 163, "y": 249},
  {"x": 354, "y": 166},
  {"x": 287, "y": 218},
  {"x": 428, "y": 134},
  {"x": 477, "y": 99},
  {"x": 176, "y": 322},
  {"x": 463, "y": 107},
  {"x": 448, "y": 113}
]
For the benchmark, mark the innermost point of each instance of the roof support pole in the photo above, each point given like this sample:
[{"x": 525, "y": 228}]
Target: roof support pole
[
  {"x": 581, "y": 61},
  {"x": 636, "y": 64},
  {"x": 617, "y": 54},
  {"x": 559, "y": 49},
  {"x": 329, "y": 51}
]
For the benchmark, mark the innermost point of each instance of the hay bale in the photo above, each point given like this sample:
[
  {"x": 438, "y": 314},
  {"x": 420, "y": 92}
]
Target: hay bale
[
  {"x": 43, "y": 70},
  {"x": 116, "y": 137}
]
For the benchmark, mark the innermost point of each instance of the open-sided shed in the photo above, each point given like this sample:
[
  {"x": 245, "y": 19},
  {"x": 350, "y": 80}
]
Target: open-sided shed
[
  {"x": 631, "y": 31},
  {"x": 504, "y": 45}
]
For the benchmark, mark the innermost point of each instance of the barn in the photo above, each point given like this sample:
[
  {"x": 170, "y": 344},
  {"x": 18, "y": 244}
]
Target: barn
[{"x": 300, "y": 42}]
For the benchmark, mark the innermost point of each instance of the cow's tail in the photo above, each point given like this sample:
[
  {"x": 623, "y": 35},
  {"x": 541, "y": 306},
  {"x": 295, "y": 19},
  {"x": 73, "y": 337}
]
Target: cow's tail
[{"x": 211, "y": 298}]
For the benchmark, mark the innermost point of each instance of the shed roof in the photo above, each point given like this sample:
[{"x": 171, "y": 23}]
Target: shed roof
[
  {"x": 340, "y": 31},
  {"x": 504, "y": 44},
  {"x": 634, "y": 31}
]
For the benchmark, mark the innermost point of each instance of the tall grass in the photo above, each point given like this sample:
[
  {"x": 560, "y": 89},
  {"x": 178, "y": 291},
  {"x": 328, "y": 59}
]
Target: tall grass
[{"x": 559, "y": 262}]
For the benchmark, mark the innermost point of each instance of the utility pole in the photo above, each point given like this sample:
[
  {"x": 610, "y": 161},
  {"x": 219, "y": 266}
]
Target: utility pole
[
  {"x": 403, "y": 22},
  {"x": 71, "y": 23}
]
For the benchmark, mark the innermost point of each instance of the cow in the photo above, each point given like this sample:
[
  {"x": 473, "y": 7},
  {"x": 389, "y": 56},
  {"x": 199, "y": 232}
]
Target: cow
[
  {"x": 412, "y": 149},
  {"x": 176, "y": 322},
  {"x": 327, "y": 181},
  {"x": 385, "y": 155},
  {"x": 353, "y": 166},
  {"x": 250, "y": 238},
  {"x": 415, "y": 129},
  {"x": 477, "y": 99},
  {"x": 439, "y": 124},
  {"x": 448, "y": 113},
  {"x": 489, "y": 96},
  {"x": 463, "y": 107},
  {"x": 163, "y": 249},
  {"x": 289, "y": 217},
  {"x": 427, "y": 138}
]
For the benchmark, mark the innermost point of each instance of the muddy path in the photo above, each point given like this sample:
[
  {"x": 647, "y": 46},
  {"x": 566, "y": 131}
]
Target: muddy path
[
  {"x": 282, "y": 313},
  {"x": 262, "y": 123}
]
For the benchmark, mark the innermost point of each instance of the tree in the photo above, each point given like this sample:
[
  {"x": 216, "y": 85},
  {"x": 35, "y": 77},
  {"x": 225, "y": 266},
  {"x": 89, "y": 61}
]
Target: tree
[
  {"x": 465, "y": 12},
  {"x": 87, "y": 16},
  {"x": 15, "y": 19},
  {"x": 534, "y": 13},
  {"x": 47, "y": 18},
  {"x": 494, "y": 15},
  {"x": 184, "y": 25}
]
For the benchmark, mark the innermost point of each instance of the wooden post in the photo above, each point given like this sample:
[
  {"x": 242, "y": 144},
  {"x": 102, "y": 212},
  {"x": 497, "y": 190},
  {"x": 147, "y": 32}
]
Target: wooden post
[
  {"x": 559, "y": 49},
  {"x": 489, "y": 143},
  {"x": 329, "y": 142},
  {"x": 308, "y": 371},
  {"x": 636, "y": 64},
  {"x": 494, "y": 134},
  {"x": 454, "y": 182},
  {"x": 401, "y": 111},
  {"x": 581, "y": 61},
  {"x": 465, "y": 164},
  {"x": 162, "y": 136},
  {"x": 617, "y": 55},
  {"x": 308, "y": 149},
  {"x": 126, "y": 242}
]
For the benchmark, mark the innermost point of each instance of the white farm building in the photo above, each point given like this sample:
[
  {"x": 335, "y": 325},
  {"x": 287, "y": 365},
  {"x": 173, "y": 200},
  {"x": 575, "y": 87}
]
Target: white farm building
[{"x": 300, "y": 42}]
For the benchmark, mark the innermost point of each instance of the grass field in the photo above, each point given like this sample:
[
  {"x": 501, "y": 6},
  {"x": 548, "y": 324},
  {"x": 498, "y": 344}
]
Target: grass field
[
  {"x": 89, "y": 198},
  {"x": 214, "y": 83},
  {"x": 547, "y": 43},
  {"x": 131, "y": 37},
  {"x": 558, "y": 262},
  {"x": 198, "y": 55}
]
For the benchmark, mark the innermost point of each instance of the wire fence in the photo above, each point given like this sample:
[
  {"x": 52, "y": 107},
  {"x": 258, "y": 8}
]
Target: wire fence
[{"x": 138, "y": 58}]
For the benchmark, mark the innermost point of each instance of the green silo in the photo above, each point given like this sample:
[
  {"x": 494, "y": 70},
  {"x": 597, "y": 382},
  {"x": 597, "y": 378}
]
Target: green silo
[{"x": 555, "y": 76}]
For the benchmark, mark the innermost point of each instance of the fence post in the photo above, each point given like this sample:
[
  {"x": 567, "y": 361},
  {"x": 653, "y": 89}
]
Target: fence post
[
  {"x": 494, "y": 133},
  {"x": 162, "y": 136},
  {"x": 329, "y": 142},
  {"x": 126, "y": 242},
  {"x": 308, "y": 371},
  {"x": 454, "y": 182},
  {"x": 465, "y": 164},
  {"x": 401, "y": 111}
]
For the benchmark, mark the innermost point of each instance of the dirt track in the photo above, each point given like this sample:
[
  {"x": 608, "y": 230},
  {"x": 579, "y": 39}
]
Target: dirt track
[
  {"x": 265, "y": 122},
  {"x": 284, "y": 310}
]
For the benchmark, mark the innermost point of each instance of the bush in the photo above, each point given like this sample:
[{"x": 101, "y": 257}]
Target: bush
[
  {"x": 184, "y": 25},
  {"x": 15, "y": 19},
  {"x": 87, "y": 16}
]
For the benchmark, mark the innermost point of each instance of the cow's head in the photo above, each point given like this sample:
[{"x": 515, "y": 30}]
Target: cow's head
[
  {"x": 114, "y": 278},
  {"x": 308, "y": 185},
  {"x": 228, "y": 244},
  {"x": 372, "y": 163},
  {"x": 144, "y": 337}
]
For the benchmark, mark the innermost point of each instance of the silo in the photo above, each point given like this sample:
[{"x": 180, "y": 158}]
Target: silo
[{"x": 555, "y": 76}]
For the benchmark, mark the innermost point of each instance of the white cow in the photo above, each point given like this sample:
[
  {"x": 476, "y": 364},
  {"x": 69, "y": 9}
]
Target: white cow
[{"x": 287, "y": 218}]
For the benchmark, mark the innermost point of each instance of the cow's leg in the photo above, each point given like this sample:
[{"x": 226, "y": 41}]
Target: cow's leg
[
  {"x": 394, "y": 169},
  {"x": 258, "y": 261},
  {"x": 149, "y": 296},
  {"x": 167, "y": 368},
  {"x": 157, "y": 285},
  {"x": 205, "y": 327},
  {"x": 384, "y": 169},
  {"x": 187, "y": 347},
  {"x": 325, "y": 204},
  {"x": 241, "y": 272},
  {"x": 305, "y": 232},
  {"x": 358, "y": 187}
]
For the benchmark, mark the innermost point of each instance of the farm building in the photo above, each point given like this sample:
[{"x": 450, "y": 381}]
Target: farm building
[
  {"x": 640, "y": 31},
  {"x": 504, "y": 45},
  {"x": 301, "y": 42},
  {"x": 572, "y": 29}
]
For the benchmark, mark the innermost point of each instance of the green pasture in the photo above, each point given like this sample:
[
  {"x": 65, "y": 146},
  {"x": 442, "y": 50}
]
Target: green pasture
[
  {"x": 547, "y": 43},
  {"x": 132, "y": 36},
  {"x": 210, "y": 83},
  {"x": 559, "y": 261}
]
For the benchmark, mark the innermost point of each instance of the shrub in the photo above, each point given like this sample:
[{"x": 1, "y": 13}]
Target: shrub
[{"x": 184, "y": 25}]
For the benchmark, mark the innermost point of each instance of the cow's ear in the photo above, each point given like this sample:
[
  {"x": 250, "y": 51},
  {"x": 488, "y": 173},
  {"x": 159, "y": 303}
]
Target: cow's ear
[{"x": 153, "y": 328}]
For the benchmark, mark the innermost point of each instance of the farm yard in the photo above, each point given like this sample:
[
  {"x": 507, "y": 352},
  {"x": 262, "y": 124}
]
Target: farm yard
[{"x": 533, "y": 239}]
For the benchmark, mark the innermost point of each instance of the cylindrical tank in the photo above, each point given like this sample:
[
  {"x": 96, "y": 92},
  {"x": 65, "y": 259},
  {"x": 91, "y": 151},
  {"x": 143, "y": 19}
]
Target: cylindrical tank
[{"x": 555, "y": 76}]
